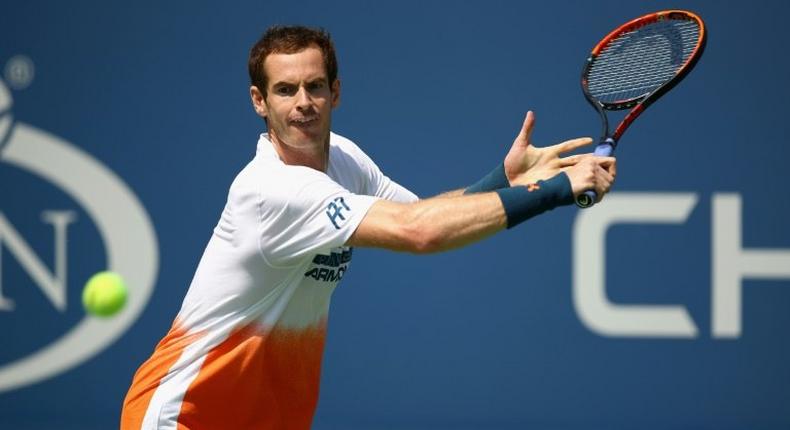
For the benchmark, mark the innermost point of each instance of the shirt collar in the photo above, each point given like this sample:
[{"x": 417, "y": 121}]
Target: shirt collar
[{"x": 265, "y": 147}]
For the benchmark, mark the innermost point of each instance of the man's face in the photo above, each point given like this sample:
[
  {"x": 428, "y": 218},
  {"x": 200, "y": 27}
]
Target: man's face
[{"x": 299, "y": 99}]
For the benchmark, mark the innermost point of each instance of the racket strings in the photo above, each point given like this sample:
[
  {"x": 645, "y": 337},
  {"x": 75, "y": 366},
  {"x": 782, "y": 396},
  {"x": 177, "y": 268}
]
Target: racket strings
[
  {"x": 637, "y": 67},
  {"x": 641, "y": 52},
  {"x": 639, "y": 61}
]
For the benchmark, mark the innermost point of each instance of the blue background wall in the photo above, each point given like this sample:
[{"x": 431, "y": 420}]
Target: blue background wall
[{"x": 484, "y": 337}]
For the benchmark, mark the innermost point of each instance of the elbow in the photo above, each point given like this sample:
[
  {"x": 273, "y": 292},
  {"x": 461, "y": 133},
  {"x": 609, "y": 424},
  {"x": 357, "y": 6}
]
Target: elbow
[{"x": 421, "y": 239}]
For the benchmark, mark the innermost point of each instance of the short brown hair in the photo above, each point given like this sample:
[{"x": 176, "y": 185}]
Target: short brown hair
[{"x": 290, "y": 40}]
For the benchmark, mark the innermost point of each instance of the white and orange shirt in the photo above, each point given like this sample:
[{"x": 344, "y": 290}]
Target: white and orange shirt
[{"x": 245, "y": 349}]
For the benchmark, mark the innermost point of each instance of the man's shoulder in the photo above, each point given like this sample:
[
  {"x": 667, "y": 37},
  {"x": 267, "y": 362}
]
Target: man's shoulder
[
  {"x": 345, "y": 145},
  {"x": 264, "y": 179},
  {"x": 348, "y": 151}
]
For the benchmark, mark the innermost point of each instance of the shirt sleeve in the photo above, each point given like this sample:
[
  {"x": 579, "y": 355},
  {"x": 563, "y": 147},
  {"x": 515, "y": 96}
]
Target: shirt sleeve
[
  {"x": 312, "y": 214},
  {"x": 376, "y": 182},
  {"x": 388, "y": 189}
]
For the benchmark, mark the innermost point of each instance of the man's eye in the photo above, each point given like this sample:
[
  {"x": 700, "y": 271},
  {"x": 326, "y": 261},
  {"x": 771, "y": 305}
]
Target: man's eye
[
  {"x": 284, "y": 91},
  {"x": 316, "y": 86}
]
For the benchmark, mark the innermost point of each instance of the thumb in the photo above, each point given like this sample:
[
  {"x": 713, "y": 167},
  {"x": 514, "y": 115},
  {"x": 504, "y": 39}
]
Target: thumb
[{"x": 525, "y": 135}]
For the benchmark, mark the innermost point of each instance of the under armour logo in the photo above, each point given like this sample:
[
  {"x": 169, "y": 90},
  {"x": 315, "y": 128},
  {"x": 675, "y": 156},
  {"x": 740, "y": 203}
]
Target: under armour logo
[{"x": 533, "y": 187}]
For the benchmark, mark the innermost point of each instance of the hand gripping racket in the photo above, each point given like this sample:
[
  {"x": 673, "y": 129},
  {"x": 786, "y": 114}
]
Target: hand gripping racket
[{"x": 634, "y": 65}]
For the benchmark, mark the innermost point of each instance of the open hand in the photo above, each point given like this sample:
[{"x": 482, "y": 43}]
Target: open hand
[{"x": 525, "y": 164}]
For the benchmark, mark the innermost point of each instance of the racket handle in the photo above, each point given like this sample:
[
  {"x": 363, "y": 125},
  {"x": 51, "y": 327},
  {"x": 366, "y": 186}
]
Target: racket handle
[{"x": 589, "y": 197}]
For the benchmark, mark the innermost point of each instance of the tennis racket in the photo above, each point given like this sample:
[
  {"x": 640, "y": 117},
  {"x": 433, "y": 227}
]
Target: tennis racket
[{"x": 634, "y": 65}]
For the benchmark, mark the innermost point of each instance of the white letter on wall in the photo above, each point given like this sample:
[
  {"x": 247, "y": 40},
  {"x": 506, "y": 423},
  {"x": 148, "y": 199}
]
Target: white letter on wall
[
  {"x": 732, "y": 264},
  {"x": 589, "y": 263}
]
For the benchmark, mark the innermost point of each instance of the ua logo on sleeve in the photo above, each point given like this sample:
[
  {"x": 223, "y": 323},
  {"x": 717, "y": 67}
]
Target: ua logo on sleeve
[{"x": 335, "y": 211}]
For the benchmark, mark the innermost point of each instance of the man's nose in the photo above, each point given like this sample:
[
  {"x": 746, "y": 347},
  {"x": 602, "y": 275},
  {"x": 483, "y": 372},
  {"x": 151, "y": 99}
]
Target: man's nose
[{"x": 303, "y": 100}]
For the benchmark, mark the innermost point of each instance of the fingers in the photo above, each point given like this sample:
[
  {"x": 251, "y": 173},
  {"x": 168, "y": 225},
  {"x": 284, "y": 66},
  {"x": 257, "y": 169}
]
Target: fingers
[
  {"x": 606, "y": 162},
  {"x": 588, "y": 172},
  {"x": 573, "y": 159},
  {"x": 525, "y": 135},
  {"x": 571, "y": 145},
  {"x": 612, "y": 167},
  {"x": 609, "y": 164},
  {"x": 604, "y": 178}
]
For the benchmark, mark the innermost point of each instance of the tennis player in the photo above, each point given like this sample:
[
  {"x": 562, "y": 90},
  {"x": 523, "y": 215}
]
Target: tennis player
[{"x": 245, "y": 350}]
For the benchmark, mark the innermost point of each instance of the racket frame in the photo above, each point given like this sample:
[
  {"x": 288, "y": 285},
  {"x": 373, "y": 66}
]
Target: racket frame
[{"x": 608, "y": 142}]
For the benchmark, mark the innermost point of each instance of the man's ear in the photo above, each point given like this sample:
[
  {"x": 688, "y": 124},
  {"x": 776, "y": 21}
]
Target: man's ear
[
  {"x": 258, "y": 101},
  {"x": 335, "y": 93}
]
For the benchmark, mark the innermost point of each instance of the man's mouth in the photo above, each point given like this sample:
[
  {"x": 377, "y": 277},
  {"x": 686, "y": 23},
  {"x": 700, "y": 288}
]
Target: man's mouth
[{"x": 304, "y": 121}]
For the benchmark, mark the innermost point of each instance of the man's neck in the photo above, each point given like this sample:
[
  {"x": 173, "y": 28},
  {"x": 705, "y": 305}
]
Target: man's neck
[{"x": 313, "y": 157}]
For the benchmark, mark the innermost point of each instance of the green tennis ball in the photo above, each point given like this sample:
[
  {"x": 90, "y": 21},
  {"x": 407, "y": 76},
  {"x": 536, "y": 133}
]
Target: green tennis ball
[{"x": 104, "y": 294}]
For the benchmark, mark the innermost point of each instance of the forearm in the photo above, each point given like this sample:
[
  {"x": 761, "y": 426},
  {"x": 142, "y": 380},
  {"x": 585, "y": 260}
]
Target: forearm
[
  {"x": 443, "y": 223},
  {"x": 432, "y": 225},
  {"x": 453, "y": 193},
  {"x": 456, "y": 221}
]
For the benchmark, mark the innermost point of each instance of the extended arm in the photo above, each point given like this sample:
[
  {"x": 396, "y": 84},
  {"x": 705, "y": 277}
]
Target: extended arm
[
  {"x": 540, "y": 179},
  {"x": 431, "y": 225},
  {"x": 447, "y": 222}
]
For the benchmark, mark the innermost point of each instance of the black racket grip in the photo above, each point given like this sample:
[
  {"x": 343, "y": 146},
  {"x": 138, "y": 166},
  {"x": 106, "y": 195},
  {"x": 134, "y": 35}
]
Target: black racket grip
[{"x": 589, "y": 197}]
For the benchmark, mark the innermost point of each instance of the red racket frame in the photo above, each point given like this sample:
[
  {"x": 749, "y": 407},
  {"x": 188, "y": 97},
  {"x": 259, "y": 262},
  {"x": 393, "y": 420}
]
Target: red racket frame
[{"x": 640, "y": 103}]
